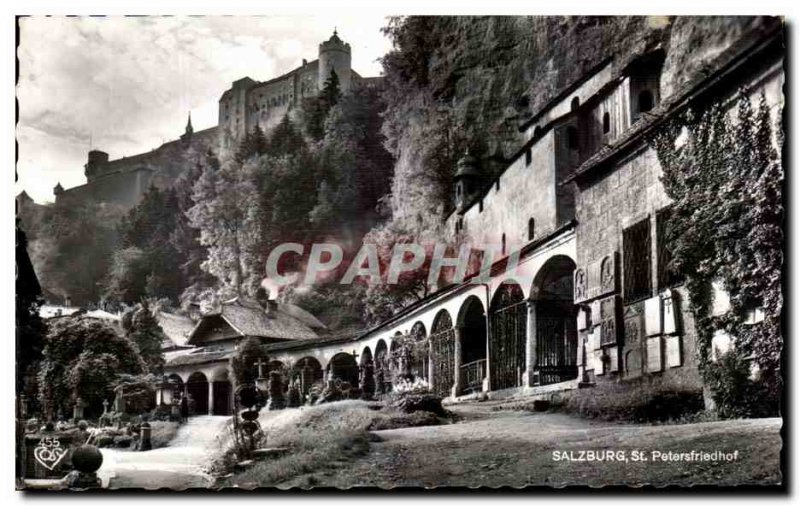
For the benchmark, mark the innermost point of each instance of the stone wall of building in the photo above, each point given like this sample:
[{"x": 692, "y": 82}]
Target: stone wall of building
[{"x": 124, "y": 181}]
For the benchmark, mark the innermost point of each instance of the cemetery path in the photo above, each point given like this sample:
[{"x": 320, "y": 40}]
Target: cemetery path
[
  {"x": 179, "y": 465},
  {"x": 515, "y": 449}
]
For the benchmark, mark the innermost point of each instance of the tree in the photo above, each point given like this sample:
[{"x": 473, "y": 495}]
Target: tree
[
  {"x": 75, "y": 247},
  {"x": 253, "y": 144},
  {"x": 241, "y": 365},
  {"x": 29, "y": 326},
  {"x": 142, "y": 328},
  {"x": 83, "y": 358}
]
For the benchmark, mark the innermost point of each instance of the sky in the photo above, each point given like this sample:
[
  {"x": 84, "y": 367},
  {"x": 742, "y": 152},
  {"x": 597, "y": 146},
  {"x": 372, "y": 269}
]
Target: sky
[{"x": 125, "y": 85}]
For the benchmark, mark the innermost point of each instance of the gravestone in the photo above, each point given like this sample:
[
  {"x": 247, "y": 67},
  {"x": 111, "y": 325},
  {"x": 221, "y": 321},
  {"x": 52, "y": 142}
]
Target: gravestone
[
  {"x": 673, "y": 351},
  {"x": 652, "y": 316},
  {"x": 276, "y": 399},
  {"x": 655, "y": 359}
]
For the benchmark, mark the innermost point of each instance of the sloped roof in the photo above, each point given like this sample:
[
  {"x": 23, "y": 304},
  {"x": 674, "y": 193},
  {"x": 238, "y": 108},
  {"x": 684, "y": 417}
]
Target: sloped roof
[
  {"x": 248, "y": 318},
  {"x": 303, "y": 315},
  {"x": 199, "y": 358},
  {"x": 176, "y": 327}
]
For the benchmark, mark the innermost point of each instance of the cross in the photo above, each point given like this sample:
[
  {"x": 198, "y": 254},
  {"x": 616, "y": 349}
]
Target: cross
[{"x": 260, "y": 363}]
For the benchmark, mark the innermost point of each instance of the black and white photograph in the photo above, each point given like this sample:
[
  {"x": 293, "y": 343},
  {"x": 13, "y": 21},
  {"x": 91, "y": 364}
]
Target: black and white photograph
[{"x": 363, "y": 250}]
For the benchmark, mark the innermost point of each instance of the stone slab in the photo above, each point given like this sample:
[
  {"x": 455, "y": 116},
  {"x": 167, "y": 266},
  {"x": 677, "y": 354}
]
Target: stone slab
[
  {"x": 652, "y": 316},
  {"x": 673, "y": 345},
  {"x": 655, "y": 356}
]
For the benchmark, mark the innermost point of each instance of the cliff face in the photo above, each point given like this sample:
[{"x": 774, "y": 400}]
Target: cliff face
[{"x": 486, "y": 75}]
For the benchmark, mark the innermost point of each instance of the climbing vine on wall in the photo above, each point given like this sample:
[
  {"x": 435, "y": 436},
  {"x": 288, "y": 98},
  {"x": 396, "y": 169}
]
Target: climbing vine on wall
[{"x": 722, "y": 169}]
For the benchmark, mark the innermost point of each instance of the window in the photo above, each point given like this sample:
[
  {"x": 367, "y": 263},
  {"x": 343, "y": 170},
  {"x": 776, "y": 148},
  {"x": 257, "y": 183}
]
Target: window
[
  {"x": 537, "y": 132},
  {"x": 636, "y": 261},
  {"x": 528, "y": 157},
  {"x": 531, "y": 229},
  {"x": 503, "y": 244},
  {"x": 667, "y": 275},
  {"x": 576, "y": 102},
  {"x": 572, "y": 137},
  {"x": 645, "y": 101},
  {"x": 606, "y": 123}
]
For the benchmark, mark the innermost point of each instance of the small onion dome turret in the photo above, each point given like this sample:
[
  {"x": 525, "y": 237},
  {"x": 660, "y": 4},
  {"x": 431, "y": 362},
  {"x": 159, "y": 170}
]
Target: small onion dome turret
[{"x": 467, "y": 166}]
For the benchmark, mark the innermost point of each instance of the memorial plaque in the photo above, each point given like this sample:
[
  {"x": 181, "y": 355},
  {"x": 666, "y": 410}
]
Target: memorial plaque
[
  {"x": 655, "y": 359},
  {"x": 652, "y": 316},
  {"x": 673, "y": 351},
  {"x": 721, "y": 342},
  {"x": 598, "y": 363},
  {"x": 613, "y": 358},
  {"x": 633, "y": 363},
  {"x": 670, "y": 307},
  {"x": 580, "y": 285},
  {"x": 608, "y": 321},
  {"x": 583, "y": 319},
  {"x": 633, "y": 321}
]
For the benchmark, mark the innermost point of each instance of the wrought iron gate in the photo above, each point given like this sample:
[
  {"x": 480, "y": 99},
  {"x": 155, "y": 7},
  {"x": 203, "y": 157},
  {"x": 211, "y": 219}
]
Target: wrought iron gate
[
  {"x": 556, "y": 344},
  {"x": 507, "y": 344},
  {"x": 443, "y": 355}
]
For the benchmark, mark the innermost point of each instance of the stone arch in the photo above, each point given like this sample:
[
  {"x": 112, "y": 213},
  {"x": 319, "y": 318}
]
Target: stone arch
[
  {"x": 197, "y": 390},
  {"x": 418, "y": 363},
  {"x": 471, "y": 324},
  {"x": 508, "y": 332},
  {"x": 366, "y": 356},
  {"x": 344, "y": 367},
  {"x": 309, "y": 371},
  {"x": 221, "y": 397},
  {"x": 172, "y": 390},
  {"x": 442, "y": 349},
  {"x": 556, "y": 334},
  {"x": 381, "y": 359}
]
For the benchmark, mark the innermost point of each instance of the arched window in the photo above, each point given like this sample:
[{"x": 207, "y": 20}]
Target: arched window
[
  {"x": 606, "y": 123},
  {"x": 531, "y": 229},
  {"x": 576, "y": 102},
  {"x": 645, "y": 100}
]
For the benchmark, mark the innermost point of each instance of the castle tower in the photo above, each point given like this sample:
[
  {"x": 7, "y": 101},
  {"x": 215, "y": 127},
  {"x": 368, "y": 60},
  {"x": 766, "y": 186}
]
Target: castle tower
[
  {"x": 334, "y": 54},
  {"x": 58, "y": 190},
  {"x": 94, "y": 165}
]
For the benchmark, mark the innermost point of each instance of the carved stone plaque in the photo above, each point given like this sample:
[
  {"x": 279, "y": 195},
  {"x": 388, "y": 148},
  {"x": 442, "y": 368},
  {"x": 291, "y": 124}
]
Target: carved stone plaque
[
  {"x": 655, "y": 358},
  {"x": 633, "y": 323},
  {"x": 633, "y": 363},
  {"x": 608, "y": 321},
  {"x": 597, "y": 279},
  {"x": 580, "y": 285}
]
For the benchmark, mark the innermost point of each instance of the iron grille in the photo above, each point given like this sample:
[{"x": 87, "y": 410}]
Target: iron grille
[
  {"x": 507, "y": 345},
  {"x": 556, "y": 344},
  {"x": 636, "y": 261}
]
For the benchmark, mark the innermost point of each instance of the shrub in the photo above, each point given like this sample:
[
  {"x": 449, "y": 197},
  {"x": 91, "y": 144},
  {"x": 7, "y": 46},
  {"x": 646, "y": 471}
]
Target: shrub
[
  {"x": 736, "y": 393},
  {"x": 416, "y": 385},
  {"x": 632, "y": 402}
]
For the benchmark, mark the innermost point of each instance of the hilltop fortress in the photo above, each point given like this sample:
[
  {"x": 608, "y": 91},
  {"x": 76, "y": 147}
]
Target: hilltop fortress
[{"x": 246, "y": 104}]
